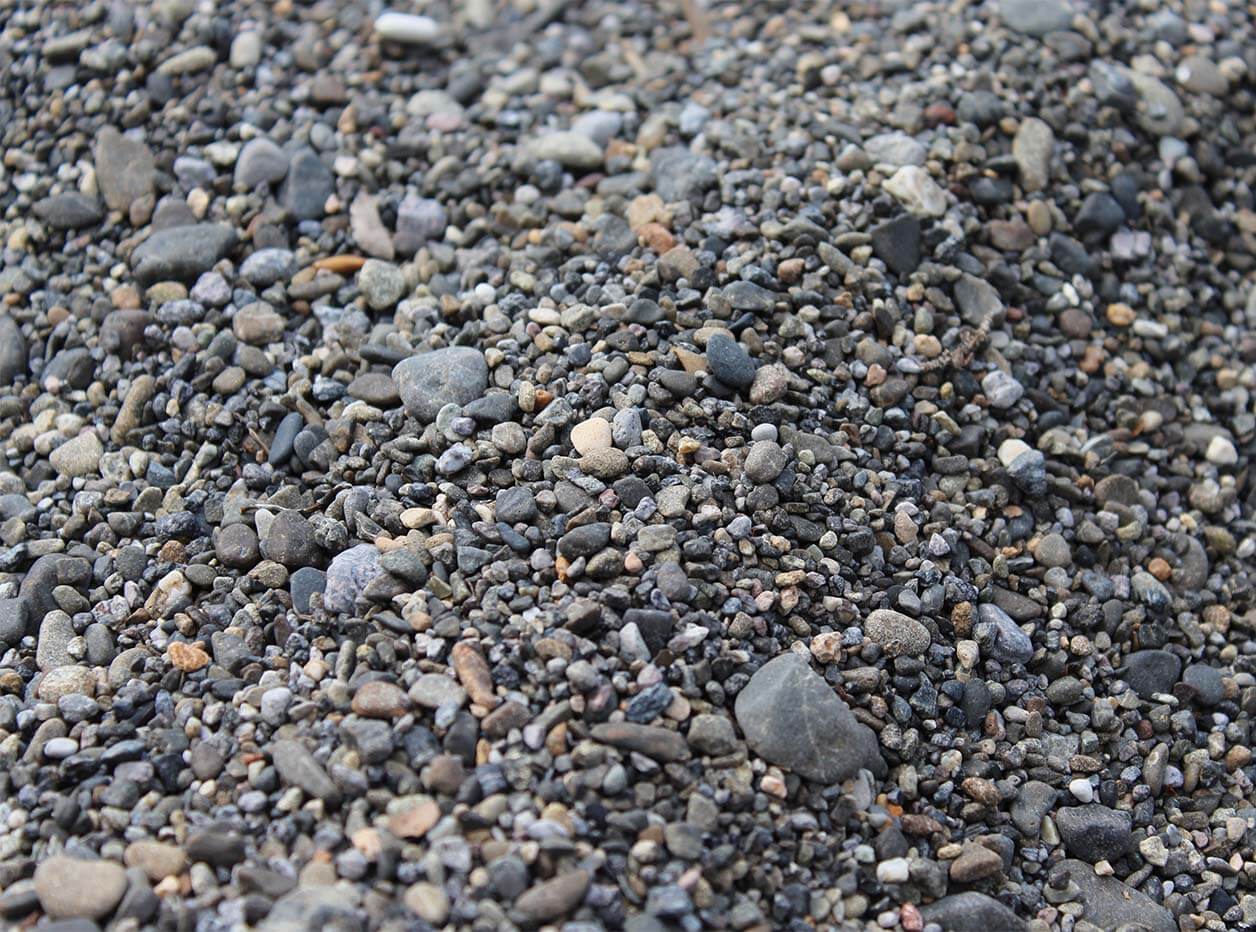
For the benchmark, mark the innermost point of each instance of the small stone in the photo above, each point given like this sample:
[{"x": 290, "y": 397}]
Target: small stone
[
  {"x": 290, "y": 540},
  {"x": 307, "y": 186},
  {"x": 427, "y": 901},
  {"x": 69, "y": 211},
  {"x": 607, "y": 463},
  {"x": 1002, "y": 389},
  {"x": 653, "y": 741},
  {"x": 349, "y": 573},
  {"x": 569, "y": 149},
  {"x": 1094, "y": 832},
  {"x": 975, "y": 862},
  {"x": 897, "y": 243},
  {"x": 1221, "y": 452},
  {"x": 410, "y": 29},
  {"x": 297, "y": 767},
  {"x": 1053, "y": 550},
  {"x": 415, "y": 817},
  {"x": 516, "y": 505},
  {"x": 978, "y": 301},
  {"x": 553, "y": 899},
  {"x": 125, "y": 169},
  {"x": 187, "y": 658},
  {"x": 1206, "y": 683},
  {"x": 729, "y": 362},
  {"x": 380, "y": 699},
  {"x": 473, "y": 673},
  {"x": 1032, "y": 148},
  {"x": 898, "y": 634},
  {"x": 916, "y": 191},
  {"x": 1151, "y": 672},
  {"x": 592, "y": 434},
  {"x": 765, "y": 461},
  {"x": 189, "y": 61},
  {"x": 382, "y": 284},
  {"x": 1000, "y": 637},
  {"x": 260, "y": 162},
  {"x": 79, "y": 456},
  {"x": 1036, "y": 17},
  {"x": 972, "y": 911},
  {"x": 158, "y": 860},
  {"x": 712, "y": 734},
  {"x": 181, "y": 253}
]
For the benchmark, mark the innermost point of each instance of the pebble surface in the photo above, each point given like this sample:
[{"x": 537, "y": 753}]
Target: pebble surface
[{"x": 627, "y": 466}]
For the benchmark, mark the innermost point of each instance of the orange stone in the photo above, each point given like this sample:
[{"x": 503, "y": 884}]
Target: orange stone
[
  {"x": 187, "y": 657},
  {"x": 340, "y": 264}
]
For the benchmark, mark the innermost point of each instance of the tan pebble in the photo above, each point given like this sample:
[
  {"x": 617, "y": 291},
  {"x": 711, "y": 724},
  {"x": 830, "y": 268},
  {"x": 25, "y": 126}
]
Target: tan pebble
[
  {"x": 473, "y": 673},
  {"x": 414, "y": 821},
  {"x": 1038, "y": 215},
  {"x": 590, "y": 435},
  {"x": 187, "y": 657},
  {"x": 1120, "y": 315}
]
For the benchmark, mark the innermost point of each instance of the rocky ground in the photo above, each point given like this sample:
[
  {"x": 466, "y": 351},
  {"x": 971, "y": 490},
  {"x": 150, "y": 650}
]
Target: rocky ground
[{"x": 625, "y": 465}]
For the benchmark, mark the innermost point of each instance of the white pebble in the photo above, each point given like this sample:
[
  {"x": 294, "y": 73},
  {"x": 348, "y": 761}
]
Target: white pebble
[
  {"x": 894, "y": 870},
  {"x": 406, "y": 27},
  {"x": 1082, "y": 790}
]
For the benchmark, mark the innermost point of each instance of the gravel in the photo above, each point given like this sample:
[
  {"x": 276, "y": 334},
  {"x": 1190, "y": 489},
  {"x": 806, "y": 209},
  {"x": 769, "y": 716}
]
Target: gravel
[{"x": 622, "y": 465}]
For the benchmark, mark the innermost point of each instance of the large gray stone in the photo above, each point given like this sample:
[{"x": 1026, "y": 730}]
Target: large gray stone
[
  {"x": 1110, "y": 904},
  {"x": 793, "y": 718},
  {"x": 181, "y": 253},
  {"x": 327, "y": 909},
  {"x": 1036, "y": 17},
  {"x": 966, "y": 912},
  {"x": 70, "y": 888},
  {"x": 297, "y": 767},
  {"x": 348, "y": 575},
  {"x": 429, "y": 381}
]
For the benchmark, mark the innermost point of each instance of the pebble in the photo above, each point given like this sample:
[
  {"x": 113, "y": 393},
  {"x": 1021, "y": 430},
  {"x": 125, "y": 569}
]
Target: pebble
[
  {"x": 898, "y": 635},
  {"x": 729, "y": 362},
  {"x": 410, "y": 29},
  {"x": 79, "y": 456},
  {"x": 126, "y": 171},
  {"x": 70, "y": 888},
  {"x": 1033, "y": 149},
  {"x": 916, "y": 191}
]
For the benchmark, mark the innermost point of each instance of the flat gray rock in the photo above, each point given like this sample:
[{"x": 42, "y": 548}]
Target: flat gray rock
[
  {"x": 791, "y": 717},
  {"x": 1036, "y": 17},
  {"x": 972, "y": 912},
  {"x": 181, "y": 253},
  {"x": 1110, "y": 904},
  {"x": 297, "y": 767}
]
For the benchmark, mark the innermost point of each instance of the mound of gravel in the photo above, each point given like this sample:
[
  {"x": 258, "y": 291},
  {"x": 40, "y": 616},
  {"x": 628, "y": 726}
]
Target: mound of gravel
[{"x": 627, "y": 465}]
